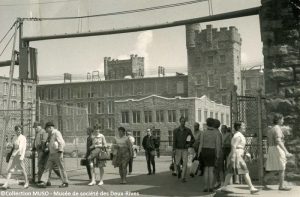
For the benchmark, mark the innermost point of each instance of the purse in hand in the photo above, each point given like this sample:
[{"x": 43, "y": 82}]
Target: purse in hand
[
  {"x": 103, "y": 155},
  {"x": 8, "y": 156},
  {"x": 84, "y": 162}
]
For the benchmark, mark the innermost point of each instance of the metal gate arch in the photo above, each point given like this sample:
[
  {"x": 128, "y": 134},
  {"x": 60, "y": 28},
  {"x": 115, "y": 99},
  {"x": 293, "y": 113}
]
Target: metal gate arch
[{"x": 251, "y": 111}]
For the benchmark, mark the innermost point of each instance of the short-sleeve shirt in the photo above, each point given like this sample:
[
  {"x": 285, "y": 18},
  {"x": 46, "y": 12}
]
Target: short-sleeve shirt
[
  {"x": 273, "y": 134},
  {"x": 99, "y": 140},
  {"x": 238, "y": 140}
]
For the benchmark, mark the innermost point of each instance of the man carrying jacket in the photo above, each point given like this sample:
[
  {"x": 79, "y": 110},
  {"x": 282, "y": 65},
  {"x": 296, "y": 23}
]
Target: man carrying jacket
[
  {"x": 56, "y": 149},
  {"x": 182, "y": 139},
  {"x": 150, "y": 144}
]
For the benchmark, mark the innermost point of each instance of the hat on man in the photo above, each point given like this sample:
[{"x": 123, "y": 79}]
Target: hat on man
[
  {"x": 36, "y": 123},
  {"x": 49, "y": 124}
]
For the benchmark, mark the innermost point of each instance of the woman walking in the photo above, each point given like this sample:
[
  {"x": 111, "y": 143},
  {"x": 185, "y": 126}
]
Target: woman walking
[
  {"x": 98, "y": 145},
  {"x": 277, "y": 153},
  {"x": 236, "y": 163},
  {"x": 209, "y": 148},
  {"x": 89, "y": 143},
  {"x": 17, "y": 157},
  {"x": 123, "y": 148}
]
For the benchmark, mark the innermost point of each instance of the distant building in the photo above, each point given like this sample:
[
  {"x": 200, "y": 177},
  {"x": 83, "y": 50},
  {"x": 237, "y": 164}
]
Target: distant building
[
  {"x": 15, "y": 102},
  {"x": 162, "y": 115},
  {"x": 252, "y": 81},
  {"x": 119, "y": 69},
  {"x": 214, "y": 60},
  {"x": 99, "y": 96}
]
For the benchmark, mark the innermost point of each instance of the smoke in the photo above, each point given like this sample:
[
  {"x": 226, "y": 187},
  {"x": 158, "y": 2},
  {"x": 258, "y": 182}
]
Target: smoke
[{"x": 141, "y": 46}]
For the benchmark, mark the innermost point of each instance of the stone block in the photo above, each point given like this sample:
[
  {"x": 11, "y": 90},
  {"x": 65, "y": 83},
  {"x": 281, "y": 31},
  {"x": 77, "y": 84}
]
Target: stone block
[{"x": 282, "y": 74}]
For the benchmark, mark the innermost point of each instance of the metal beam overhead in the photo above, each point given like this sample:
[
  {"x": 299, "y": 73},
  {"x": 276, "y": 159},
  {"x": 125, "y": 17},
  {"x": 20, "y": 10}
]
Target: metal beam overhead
[{"x": 223, "y": 16}]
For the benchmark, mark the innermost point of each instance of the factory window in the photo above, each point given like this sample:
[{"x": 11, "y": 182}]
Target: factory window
[
  {"x": 222, "y": 118},
  {"x": 125, "y": 116},
  {"x": 170, "y": 138},
  {"x": 216, "y": 115},
  {"x": 100, "y": 107},
  {"x": 172, "y": 115},
  {"x": 160, "y": 116},
  {"x": 5, "y": 88},
  {"x": 60, "y": 93},
  {"x": 14, "y": 90},
  {"x": 211, "y": 114},
  {"x": 205, "y": 115},
  {"x": 136, "y": 116},
  {"x": 110, "y": 123},
  {"x": 224, "y": 99},
  {"x": 210, "y": 80},
  {"x": 223, "y": 82},
  {"x": 110, "y": 107},
  {"x": 137, "y": 137},
  {"x": 222, "y": 59},
  {"x": 199, "y": 115},
  {"x": 184, "y": 113},
  {"x": 148, "y": 116}
]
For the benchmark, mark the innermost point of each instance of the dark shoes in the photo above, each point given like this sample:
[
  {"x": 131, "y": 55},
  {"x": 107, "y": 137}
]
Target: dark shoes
[
  {"x": 183, "y": 180},
  {"x": 179, "y": 174},
  {"x": 208, "y": 190},
  {"x": 149, "y": 173},
  {"x": 64, "y": 185},
  {"x": 48, "y": 183},
  {"x": 174, "y": 173},
  {"x": 192, "y": 175}
]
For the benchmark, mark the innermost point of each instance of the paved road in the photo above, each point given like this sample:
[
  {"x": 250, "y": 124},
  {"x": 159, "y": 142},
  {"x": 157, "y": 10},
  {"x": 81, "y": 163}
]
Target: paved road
[{"x": 139, "y": 184}]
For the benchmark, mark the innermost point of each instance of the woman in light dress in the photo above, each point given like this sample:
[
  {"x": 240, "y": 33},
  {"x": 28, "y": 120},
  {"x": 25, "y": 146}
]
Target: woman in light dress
[
  {"x": 17, "y": 158},
  {"x": 277, "y": 153},
  {"x": 122, "y": 151},
  {"x": 236, "y": 163}
]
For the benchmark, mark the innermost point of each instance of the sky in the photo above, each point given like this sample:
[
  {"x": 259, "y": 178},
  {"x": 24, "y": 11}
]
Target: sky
[{"x": 163, "y": 47}]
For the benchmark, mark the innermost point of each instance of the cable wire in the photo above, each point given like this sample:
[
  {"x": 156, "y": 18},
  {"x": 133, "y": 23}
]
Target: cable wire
[
  {"x": 120, "y": 12},
  {"x": 7, "y": 32},
  {"x": 40, "y": 3},
  {"x": 8, "y": 42}
]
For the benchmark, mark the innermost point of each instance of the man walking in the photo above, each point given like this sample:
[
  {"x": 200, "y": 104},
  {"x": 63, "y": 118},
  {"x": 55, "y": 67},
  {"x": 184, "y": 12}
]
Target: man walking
[
  {"x": 182, "y": 140},
  {"x": 40, "y": 141},
  {"x": 218, "y": 170},
  {"x": 56, "y": 149},
  {"x": 150, "y": 145},
  {"x": 132, "y": 140}
]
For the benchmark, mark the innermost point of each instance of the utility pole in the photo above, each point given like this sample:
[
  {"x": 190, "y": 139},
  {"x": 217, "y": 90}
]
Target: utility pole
[{"x": 7, "y": 113}]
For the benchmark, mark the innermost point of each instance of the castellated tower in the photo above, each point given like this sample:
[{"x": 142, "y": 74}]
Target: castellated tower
[
  {"x": 214, "y": 60},
  {"x": 119, "y": 69}
]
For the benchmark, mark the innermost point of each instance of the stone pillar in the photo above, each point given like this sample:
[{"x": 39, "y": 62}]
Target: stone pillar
[{"x": 280, "y": 30}]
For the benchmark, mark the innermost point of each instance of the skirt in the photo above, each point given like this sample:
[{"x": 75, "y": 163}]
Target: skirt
[
  {"x": 276, "y": 159},
  {"x": 209, "y": 157},
  {"x": 237, "y": 164},
  {"x": 122, "y": 158}
]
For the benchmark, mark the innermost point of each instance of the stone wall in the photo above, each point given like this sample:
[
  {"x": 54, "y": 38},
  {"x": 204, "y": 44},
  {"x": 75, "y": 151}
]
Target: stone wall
[{"x": 280, "y": 30}]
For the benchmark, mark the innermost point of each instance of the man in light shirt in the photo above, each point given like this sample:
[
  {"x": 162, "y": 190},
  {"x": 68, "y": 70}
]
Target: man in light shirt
[
  {"x": 132, "y": 140},
  {"x": 56, "y": 149},
  {"x": 40, "y": 141}
]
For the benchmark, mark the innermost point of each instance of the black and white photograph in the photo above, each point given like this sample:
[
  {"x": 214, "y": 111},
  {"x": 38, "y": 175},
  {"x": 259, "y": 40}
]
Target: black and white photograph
[{"x": 149, "y": 98}]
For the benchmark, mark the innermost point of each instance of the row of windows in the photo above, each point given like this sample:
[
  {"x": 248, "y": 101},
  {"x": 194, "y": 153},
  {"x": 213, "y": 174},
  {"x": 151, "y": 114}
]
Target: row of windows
[
  {"x": 110, "y": 91},
  {"x": 110, "y": 122},
  {"x": 15, "y": 105},
  {"x": 203, "y": 115},
  {"x": 27, "y": 90},
  {"x": 160, "y": 116},
  {"x": 212, "y": 59},
  {"x": 211, "y": 81}
]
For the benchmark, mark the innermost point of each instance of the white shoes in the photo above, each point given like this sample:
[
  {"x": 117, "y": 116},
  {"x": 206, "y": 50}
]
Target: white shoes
[
  {"x": 92, "y": 183},
  {"x": 101, "y": 183}
]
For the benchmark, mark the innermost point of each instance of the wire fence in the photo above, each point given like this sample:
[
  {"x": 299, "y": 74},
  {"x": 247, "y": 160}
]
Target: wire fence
[
  {"x": 72, "y": 122},
  {"x": 8, "y": 120}
]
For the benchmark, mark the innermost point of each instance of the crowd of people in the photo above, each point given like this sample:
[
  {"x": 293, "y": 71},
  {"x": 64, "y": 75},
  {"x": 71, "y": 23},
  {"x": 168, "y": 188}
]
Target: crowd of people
[{"x": 218, "y": 150}]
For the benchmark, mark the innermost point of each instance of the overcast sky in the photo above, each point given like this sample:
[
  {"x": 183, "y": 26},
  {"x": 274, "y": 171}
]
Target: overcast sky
[{"x": 164, "y": 47}]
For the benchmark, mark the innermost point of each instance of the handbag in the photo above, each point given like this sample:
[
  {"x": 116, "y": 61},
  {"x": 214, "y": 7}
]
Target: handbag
[
  {"x": 8, "y": 156},
  {"x": 103, "y": 155},
  {"x": 83, "y": 162}
]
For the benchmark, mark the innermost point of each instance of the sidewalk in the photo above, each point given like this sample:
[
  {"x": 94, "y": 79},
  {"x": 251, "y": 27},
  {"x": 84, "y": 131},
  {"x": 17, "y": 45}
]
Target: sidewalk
[{"x": 139, "y": 184}]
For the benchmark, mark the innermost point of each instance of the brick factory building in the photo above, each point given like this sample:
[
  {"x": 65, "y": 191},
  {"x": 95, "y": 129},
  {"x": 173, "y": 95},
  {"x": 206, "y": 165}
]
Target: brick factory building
[
  {"x": 213, "y": 68},
  {"x": 162, "y": 115}
]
